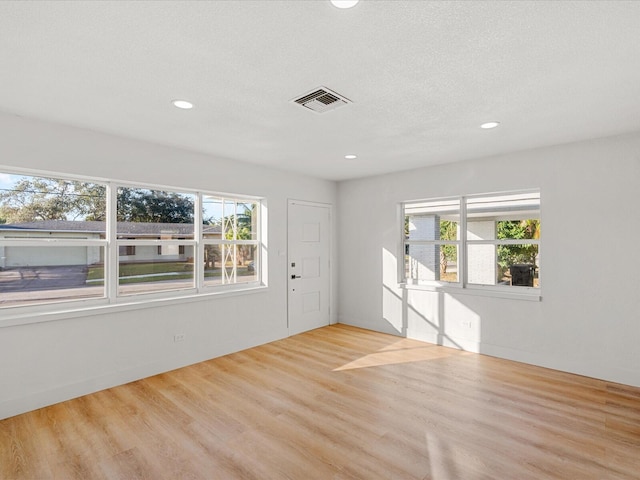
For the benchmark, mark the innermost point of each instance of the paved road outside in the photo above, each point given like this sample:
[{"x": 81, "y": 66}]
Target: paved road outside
[
  {"x": 38, "y": 284},
  {"x": 25, "y": 285},
  {"x": 42, "y": 278}
]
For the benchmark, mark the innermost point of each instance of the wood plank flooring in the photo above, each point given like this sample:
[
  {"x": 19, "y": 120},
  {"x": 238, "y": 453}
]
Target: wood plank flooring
[{"x": 337, "y": 403}]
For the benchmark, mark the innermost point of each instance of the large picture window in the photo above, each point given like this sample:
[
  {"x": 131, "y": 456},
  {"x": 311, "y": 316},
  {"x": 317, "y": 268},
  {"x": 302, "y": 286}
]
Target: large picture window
[
  {"x": 63, "y": 240},
  {"x": 475, "y": 241}
]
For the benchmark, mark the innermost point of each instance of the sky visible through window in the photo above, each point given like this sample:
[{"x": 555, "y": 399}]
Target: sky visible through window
[
  {"x": 212, "y": 207},
  {"x": 7, "y": 181}
]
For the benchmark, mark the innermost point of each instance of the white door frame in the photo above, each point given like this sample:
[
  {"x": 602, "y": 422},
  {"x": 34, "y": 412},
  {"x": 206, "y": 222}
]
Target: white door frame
[{"x": 329, "y": 207}]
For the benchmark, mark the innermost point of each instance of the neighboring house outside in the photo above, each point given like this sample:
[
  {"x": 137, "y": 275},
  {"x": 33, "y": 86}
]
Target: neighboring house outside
[{"x": 22, "y": 256}]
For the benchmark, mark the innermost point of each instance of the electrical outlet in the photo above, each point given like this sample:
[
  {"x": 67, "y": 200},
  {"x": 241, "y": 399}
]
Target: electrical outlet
[
  {"x": 179, "y": 337},
  {"x": 466, "y": 323}
]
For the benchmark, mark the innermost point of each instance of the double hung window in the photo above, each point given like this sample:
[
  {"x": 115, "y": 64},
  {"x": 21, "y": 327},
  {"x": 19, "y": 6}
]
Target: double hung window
[
  {"x": 151, "y": 229},
  {"x": 473, "y": 241},
  {"x": 230, "y": 238},
  {"x": 52, "y": 240},
  {"x": 432, "y": 240}
]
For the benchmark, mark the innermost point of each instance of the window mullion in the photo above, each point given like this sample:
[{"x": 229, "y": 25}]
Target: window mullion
[
  {"x": 111, "y": 260},
  {"x": 401, "y": 261},
  {"x": 198, "y": 260},
  {"x": 53, "y": 242},
  {"x": 523, "y": 241},
  {"x": 462, "y": 254},
  {"x": 153, "y": 243},
  {"x": 430, "y": 242}
]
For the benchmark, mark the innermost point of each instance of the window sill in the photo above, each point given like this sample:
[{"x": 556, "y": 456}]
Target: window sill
[
  {"x": 124, "y": 305},
  {"x": 531, "y": 296}
]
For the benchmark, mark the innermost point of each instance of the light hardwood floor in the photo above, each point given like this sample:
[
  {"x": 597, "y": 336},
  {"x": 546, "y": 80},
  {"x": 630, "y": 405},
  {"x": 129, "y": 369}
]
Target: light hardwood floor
[{"x": 337, "y": 403}]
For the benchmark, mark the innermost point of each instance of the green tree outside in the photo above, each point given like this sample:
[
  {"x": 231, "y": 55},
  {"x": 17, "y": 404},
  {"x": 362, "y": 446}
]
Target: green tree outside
[
  {"x": 514, "y": 254},
  {"x": 140, "y": 205},
  {"x": 34, "y": 199},
  {"x": 448, "y": 253}
]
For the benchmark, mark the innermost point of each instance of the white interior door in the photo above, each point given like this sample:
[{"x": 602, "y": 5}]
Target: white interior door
[{"x": 308, "y": 266}]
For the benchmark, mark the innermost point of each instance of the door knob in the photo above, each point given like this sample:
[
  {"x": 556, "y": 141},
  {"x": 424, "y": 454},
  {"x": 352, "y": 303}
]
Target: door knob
[{"x": 293, "y": 277}]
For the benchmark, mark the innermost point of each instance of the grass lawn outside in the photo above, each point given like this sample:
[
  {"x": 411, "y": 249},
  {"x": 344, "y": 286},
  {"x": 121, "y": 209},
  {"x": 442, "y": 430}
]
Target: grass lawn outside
[{"x": 153, "y": 272}]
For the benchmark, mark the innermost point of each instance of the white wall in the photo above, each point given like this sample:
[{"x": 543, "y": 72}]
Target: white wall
[
  {"x": 588, "y": 321},
  {"x": 43, "y": 363}
]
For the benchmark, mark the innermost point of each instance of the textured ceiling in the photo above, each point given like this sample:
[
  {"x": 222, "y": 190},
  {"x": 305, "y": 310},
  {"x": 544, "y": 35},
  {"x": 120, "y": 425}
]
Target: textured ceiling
[{"x": 422, "y": 76}]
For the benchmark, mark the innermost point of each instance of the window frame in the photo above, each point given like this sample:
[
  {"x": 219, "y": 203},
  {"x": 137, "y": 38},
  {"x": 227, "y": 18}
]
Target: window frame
[
  {"x": 235, "y": 242},
  {"x": 111, "y": 245},
  {"x": 462, "y": 285},
  {"x": 119, "y": 293},
  {"x": 408, "y": 242}
]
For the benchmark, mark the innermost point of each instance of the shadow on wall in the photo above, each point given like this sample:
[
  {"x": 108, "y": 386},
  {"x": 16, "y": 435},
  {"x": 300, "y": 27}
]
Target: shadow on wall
[
  {"x": 430, "y": 316},
  {"x": 434, "y": 326}
]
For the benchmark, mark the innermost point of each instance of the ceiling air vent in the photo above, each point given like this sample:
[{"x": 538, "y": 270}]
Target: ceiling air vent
[{"x": 321, "y": 100}]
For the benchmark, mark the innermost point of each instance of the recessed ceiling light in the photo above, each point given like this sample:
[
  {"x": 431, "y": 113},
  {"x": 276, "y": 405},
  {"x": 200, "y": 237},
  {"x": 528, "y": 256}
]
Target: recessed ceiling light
[
  {"x": 490, "y": 125},
  {"x": 350, "y": 156},
  {"x": 182, "y": 104},
  {"x": 344, "y": 3}
]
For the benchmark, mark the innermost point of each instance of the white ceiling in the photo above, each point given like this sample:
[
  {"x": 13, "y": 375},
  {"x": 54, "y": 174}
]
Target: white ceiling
[{"x": 422, "y": 76}]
